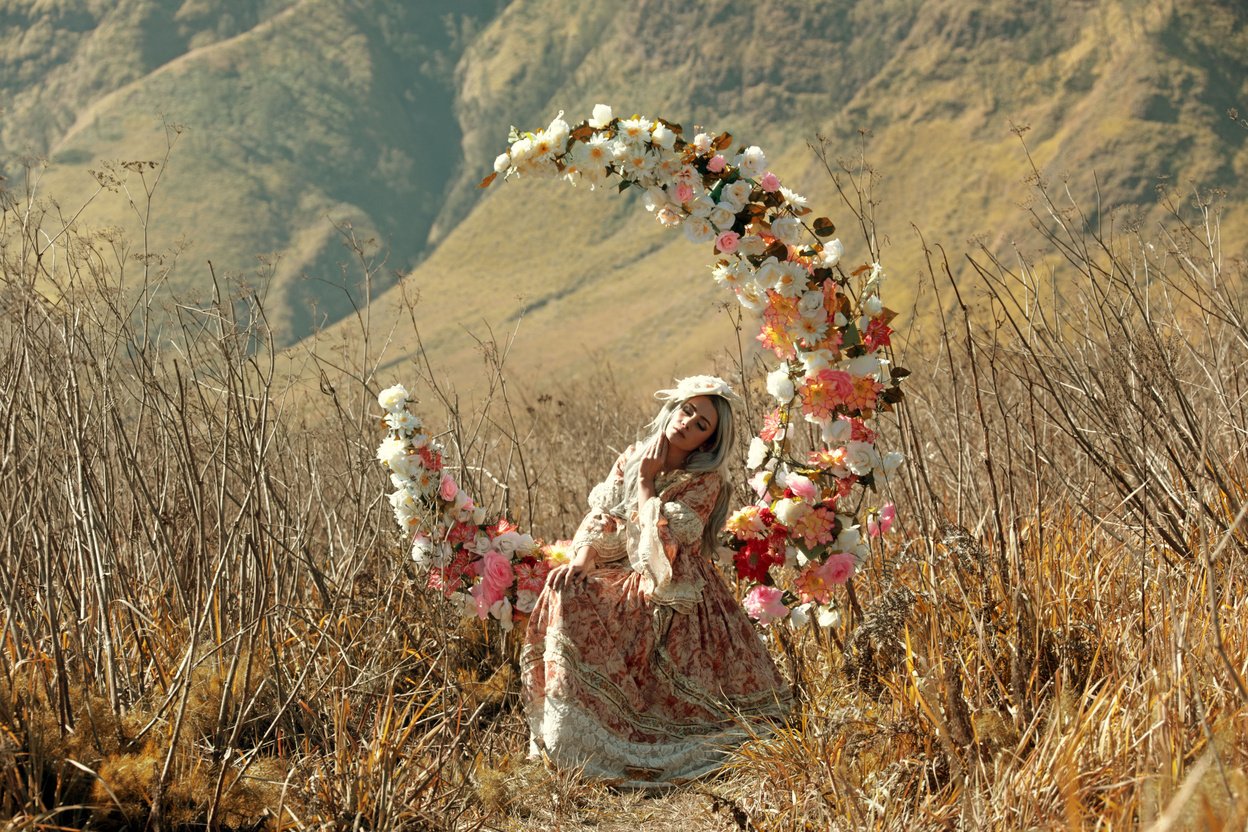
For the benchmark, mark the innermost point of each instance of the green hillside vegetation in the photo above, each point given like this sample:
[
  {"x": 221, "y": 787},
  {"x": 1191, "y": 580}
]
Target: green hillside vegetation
[{"x": 299, "y": 116}]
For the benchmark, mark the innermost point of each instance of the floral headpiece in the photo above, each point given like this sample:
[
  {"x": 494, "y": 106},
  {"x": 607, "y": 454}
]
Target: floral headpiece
[{"x": 687, "y": 388}]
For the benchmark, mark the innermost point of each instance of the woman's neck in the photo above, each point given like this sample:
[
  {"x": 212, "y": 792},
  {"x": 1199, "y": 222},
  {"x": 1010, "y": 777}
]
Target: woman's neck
[{"x": 675, "y": 459}]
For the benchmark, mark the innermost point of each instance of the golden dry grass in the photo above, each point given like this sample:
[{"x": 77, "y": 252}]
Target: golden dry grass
[{"x": 207, "y": 620}]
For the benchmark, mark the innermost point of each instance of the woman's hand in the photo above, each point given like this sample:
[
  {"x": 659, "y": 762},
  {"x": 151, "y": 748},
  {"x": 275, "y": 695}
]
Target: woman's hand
[
  {"x": 653, "y": 457},
  {"x": 575, "y": 572}
]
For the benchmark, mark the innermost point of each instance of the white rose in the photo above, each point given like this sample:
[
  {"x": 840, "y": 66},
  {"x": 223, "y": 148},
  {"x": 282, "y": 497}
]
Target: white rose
[
  {"x": 757, "y": 453},
  {"x": 478, "y": 515},
  {"x": 502, "y": 163},
  {"x": 663, "y": 136},
  {"x": 810, "y": 305},
  {"x": 393, "y": 398},
  {"x": 788, "y": 511},
  {"x": 872, "y": 305},
  {"x": 751, "y": 245},
  {"x": 722, "y": 217},
  {"x": 860, "y": 457},
  {"x": 752, "y": 162},
  {"x": 738, "y": 193},
  {"x": 863, "y": 366},
  {"x": 787, "y": 230},
  {"x": 699, "y": 230},
  {"x": 892, "y": 461},
  {"x": 602, "y": 116},
  {"x": 779, "y": 385},
  {"x": 832, "y": 251},
  {"x": 526, "y": 600},
  {"x": 702, "y": 206},
  {"x": 838, "y": 432}
]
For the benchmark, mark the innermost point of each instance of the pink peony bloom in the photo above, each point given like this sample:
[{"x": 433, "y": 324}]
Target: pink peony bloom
[
  {"x": 727, "y": 242},
  {"x": 770, "y": 182},
  {"x": 803, "y": 487},
  {"x": 684, "y": 192},
  {"x": 838, "y": 568},
  {"x": 877, "y": 527},
  {"x": 765, "y": 604},
  {"x": 716, "y": 164},
  {"x": 447, "y": 489}
]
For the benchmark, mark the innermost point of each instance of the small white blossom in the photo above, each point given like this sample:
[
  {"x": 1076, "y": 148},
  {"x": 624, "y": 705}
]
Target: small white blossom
[
  {"x": 752, "y": 162},
  {"x": 793, "y": 197},
  {"x": 832, "y": 253},
  {"x": 663, "y": 136},
  {"x": 872, "y": 305},
  {"x": 757, "y": 453},
  {"x": 393, "y": 398},
  {"x": 779, "y": 385},
  {"x": 701, "y": 143},
  {"x": 602, "y": 116}
]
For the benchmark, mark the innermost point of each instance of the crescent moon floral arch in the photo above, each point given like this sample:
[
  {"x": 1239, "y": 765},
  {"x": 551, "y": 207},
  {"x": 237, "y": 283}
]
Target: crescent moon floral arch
[{"x": 814, "y": 509}]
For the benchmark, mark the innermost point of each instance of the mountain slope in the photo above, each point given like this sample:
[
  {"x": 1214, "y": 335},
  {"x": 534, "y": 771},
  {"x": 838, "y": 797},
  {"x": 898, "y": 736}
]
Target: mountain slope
[{"x": 384, "y": 115}]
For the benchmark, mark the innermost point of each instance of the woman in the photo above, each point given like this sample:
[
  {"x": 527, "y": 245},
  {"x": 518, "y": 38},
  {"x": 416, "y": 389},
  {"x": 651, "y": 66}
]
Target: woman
[{"x": 638, "y": 664}]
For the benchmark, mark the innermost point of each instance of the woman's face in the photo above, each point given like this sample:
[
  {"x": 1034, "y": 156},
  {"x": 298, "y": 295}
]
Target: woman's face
[{"x": 692, "y": 424}]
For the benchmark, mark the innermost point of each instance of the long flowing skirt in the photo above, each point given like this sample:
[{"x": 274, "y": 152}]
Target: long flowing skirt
[{"x": 637, "y": 693}]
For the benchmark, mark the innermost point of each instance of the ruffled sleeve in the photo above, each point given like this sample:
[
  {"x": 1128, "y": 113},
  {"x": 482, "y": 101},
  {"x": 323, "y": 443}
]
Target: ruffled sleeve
[
  {"x": 667, "y": 527},
  {"x": 609, "y": 545}
]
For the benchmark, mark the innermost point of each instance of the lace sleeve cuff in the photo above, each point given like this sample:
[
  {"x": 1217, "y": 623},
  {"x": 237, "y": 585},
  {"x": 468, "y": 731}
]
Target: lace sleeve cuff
[{"x": 683, "y": 522}]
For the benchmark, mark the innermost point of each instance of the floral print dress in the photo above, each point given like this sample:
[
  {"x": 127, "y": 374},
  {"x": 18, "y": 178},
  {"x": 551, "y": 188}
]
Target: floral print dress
[{"x": 648, "y": 672}]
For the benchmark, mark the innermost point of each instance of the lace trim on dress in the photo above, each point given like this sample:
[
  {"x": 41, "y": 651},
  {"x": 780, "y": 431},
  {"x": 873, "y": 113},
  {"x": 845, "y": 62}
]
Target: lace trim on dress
[{"x": 576, "y": 738}]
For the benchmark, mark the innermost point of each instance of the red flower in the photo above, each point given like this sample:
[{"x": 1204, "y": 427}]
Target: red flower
[
  {"x": 755, "y": 559},
  {"x": 878, "y": 334}
]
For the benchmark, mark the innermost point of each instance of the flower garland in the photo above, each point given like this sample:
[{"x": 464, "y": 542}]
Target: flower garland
[
  {"x": 487, "y": 569},
  {"x": 828, "y": 329}
]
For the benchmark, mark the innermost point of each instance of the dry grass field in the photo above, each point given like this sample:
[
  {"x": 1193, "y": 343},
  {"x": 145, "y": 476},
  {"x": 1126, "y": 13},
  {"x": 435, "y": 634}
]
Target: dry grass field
[{"x": 207, "y": 620}]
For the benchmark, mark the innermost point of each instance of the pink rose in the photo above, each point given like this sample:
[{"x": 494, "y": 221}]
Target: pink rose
[
  {"x": 803, "y": 487},
  {"x": 765, "y": 604},
  {"x": 496, "y": 573},
  {"x": 769, "y": 183},
  {"x": 717, "y": 163},
  {"x": 838, "y": 568},
  {"x": 684, "y": 192},
  {"x": 727, "y": 242},
  {"x": 448, "y": 489}
]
